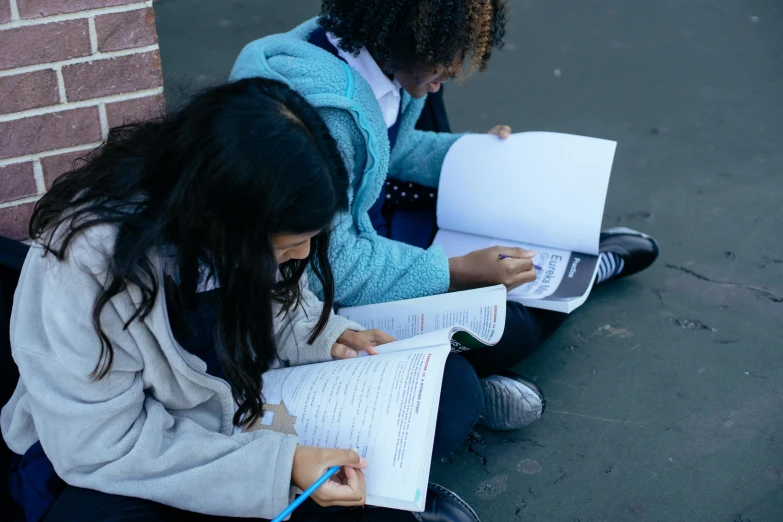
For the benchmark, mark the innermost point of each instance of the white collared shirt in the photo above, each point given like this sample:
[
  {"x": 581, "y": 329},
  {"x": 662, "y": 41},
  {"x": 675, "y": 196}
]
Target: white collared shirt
[{"x": 386, "y": 91}]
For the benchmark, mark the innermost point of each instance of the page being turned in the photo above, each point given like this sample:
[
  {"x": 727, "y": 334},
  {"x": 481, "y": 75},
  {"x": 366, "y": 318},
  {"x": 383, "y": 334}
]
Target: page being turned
[{"x": 482, "y": 311}]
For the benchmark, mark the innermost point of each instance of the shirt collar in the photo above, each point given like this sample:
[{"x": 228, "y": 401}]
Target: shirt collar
[{"x": 366, "y": 66}]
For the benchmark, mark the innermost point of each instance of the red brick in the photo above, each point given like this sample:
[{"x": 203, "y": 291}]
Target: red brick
[
  {"x": 5, "y": 11},
  {"x": 118, "y": 31},
  {"x": 135, "y": 72},
  {"x": 14, "y": 221},
  {"x": 49, "y": 132},
  {"x": 54, "y": 166},
  {"x": 17, "y": 181},
  {"x": 44, "y": 43},
  {"x": 28, "y": 91},
  {"x": 38, "y": 8},
  {"x": 135, "y": 111}
]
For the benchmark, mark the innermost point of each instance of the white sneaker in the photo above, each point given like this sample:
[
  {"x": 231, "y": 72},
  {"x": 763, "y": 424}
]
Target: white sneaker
[{"x": 510, "y": 402}]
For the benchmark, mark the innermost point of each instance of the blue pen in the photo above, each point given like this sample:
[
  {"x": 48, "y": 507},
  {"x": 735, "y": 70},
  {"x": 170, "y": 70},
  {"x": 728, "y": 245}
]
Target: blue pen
[
  {"x": 306, "y": 494},
  {"x": 504, "y": 256}
]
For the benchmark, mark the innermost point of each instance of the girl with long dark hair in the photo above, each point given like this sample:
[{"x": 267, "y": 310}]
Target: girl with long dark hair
[{"x": 167, "y": 275}]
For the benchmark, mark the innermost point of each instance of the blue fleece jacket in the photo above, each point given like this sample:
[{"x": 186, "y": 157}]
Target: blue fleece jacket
[{"x": 367, "y": 268}]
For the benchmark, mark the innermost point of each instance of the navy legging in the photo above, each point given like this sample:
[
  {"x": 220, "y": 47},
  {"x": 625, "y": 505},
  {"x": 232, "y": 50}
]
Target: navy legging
[{"x": 87, "y": 505}]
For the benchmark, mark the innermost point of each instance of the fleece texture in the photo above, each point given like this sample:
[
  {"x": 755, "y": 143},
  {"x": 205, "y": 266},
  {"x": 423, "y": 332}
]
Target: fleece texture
[
  {"x": 368, "y": 268},
  {"x": 157, "y": 427}
]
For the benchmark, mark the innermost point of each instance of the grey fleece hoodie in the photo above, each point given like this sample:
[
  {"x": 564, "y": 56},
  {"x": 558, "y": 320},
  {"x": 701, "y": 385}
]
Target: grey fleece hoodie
[{"x": 157, "y": 427}]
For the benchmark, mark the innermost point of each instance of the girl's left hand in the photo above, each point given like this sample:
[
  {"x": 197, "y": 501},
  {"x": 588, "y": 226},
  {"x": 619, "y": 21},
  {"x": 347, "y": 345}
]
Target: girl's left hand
[
  {"x": 502, "y": 131},
  {"x": 350, "y": 343}
]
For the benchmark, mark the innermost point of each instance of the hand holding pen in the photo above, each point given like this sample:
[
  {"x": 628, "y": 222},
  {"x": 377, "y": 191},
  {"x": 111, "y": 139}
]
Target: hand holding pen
[
  {"x": 331, "y": 477},
  {"x": 509, "y": 266},
  {"x": 504, "y": 256}
]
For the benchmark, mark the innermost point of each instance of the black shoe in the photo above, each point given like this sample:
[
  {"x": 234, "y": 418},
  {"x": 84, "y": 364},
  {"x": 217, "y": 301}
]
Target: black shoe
[
  {"x": 637, "y": 249},
  {"x": 443, "y": 505},
  {"x": 510, "y": 402}
]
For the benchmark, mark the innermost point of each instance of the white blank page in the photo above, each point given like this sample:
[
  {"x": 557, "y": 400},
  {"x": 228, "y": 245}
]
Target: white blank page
[{"x": 535, "y": 187}]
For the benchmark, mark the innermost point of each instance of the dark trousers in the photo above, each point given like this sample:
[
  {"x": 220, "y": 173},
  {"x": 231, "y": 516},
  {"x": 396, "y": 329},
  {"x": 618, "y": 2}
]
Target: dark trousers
[
  {"x": 86, "y": 505},
  {"x": 461, "y": 401}
]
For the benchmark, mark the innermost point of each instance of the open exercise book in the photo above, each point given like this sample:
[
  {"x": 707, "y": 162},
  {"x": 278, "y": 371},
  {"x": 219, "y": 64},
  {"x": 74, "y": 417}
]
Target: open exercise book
[
  {"x": 385, "y": 405},
  {"x": 541, "y": 191}
]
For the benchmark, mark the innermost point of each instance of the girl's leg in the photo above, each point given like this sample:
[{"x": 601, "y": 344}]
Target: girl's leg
[
  {"x": 461, "y": 402},
  {"x": 511, "y": 401},
  {"x": 526, "y": 329},
  {"x": 87, "y": 505},
  {"x": 312, "y": 512}
]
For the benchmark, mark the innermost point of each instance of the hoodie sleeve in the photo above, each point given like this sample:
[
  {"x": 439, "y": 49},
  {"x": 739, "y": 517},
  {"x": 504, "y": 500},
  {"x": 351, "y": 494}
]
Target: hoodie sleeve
[
  {"x": 373, "y": 269},
  {"x": 369, "y": 268},
  {"x": 297, "y": 325},
  {"x": 112, "y": 434},
  {"x": 418, "y": 156}
]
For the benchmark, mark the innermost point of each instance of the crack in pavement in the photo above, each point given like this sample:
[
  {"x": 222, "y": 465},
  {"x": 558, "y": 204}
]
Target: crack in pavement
[
  {"x": 761, "y": 292},
  {"x": 471, "y": 440},
  {"x": 604, "y": 419},
  {"x": 562, "y": 476},
  {"x": 531, "y": 441},
  {"x": 689, "y": 324}
]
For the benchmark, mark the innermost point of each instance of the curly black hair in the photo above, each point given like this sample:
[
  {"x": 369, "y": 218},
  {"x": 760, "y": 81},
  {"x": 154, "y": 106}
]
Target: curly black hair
[{"x": 418, "y": 33}]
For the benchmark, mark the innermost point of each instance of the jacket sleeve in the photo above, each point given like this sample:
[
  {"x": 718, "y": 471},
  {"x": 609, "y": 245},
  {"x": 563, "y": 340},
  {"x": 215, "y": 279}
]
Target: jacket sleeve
[
  {"x": 418, "y": 155},
  {"x": 371, "y": 269},
  {"x": 296, "y": 327},
  {"x": 111, "y": 434}
]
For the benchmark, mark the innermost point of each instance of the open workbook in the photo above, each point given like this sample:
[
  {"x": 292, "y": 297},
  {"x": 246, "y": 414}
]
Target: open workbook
[
  {"x": 541, "y": 191},
  {"x": 386, "y": 405}
]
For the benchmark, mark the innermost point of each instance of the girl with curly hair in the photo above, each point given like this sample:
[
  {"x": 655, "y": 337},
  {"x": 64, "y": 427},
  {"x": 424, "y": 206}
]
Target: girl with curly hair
[{"x": 370, "y": 67}]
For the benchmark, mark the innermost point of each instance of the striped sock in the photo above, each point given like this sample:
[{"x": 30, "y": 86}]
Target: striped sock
[{"x": 609, "y": 265}]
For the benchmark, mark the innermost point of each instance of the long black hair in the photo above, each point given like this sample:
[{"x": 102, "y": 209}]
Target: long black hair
[
  {"x": 424, "y": 33},
  {"x": 212, "y": 184}
]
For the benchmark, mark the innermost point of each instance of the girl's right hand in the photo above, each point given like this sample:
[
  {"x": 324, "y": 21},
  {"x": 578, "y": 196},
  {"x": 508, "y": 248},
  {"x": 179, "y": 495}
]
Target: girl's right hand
[
  {"x": 345, "y": 488},
  {"x": 350, "y": 343},
  {"x": 485, "y": 268}
]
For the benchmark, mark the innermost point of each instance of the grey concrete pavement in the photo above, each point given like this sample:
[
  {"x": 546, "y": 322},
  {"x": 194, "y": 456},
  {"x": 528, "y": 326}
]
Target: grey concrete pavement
[{"x": 665, "y": 391}]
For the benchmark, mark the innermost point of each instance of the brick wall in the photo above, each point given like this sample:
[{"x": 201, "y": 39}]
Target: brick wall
[{"x": 69, "y": 71}]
